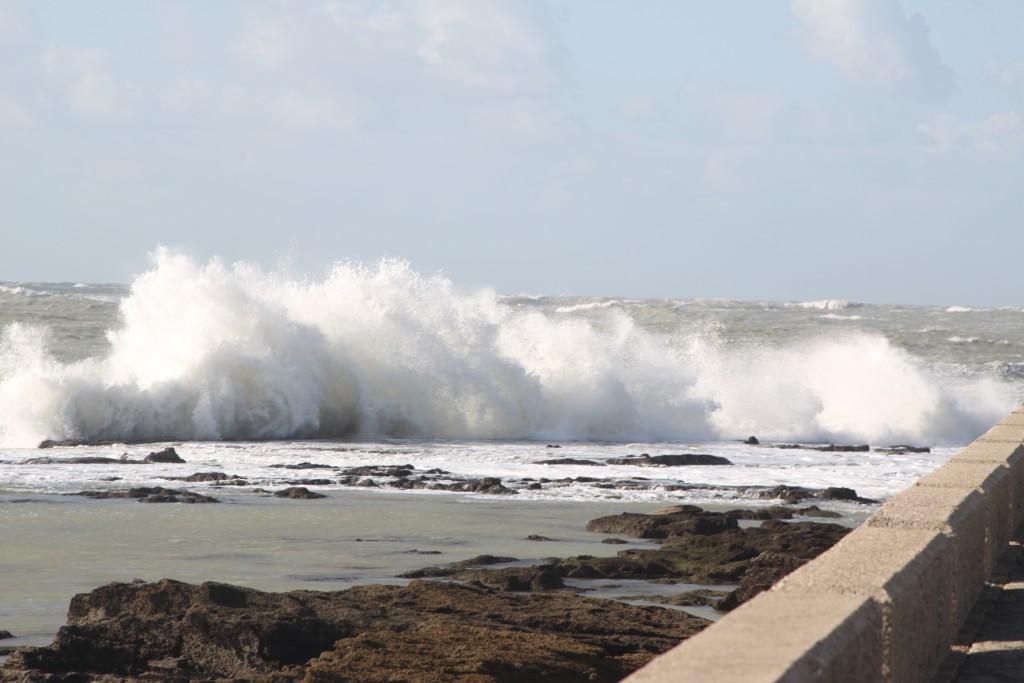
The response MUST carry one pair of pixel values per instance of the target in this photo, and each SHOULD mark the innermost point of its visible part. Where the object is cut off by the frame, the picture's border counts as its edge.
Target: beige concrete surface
(891, 601)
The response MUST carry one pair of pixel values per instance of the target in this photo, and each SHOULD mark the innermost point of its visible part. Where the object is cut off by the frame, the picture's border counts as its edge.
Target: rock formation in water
(424, 632)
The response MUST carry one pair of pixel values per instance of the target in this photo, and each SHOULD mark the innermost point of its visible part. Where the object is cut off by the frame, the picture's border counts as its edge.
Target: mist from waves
(209, 351)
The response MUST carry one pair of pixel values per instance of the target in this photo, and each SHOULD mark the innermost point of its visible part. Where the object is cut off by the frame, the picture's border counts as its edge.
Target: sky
(865, 150)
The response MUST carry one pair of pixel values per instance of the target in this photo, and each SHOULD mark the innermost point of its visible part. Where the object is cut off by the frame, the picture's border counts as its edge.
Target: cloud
(873, 43)
(88, 84)
(741, 115)
(1007, 75)
(724, 169)
(18, 28)
(640, 107)
(334, 64)
(527, 119)
(508, 46)
(998, 135)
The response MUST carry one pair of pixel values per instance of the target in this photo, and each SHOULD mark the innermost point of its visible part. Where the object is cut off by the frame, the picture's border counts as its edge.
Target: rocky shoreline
(483, 619)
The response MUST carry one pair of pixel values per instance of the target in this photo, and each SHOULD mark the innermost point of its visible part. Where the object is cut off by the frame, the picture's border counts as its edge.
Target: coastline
(676, 546)
(56, 546)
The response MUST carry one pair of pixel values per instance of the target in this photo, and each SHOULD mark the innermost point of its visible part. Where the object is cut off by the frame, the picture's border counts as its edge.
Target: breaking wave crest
(218, 352)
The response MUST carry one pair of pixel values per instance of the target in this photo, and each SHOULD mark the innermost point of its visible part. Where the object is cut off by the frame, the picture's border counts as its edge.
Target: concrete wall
(885, 603)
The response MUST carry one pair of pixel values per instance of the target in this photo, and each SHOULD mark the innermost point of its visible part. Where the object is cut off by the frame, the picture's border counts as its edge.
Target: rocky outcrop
(298, 493)
(571, 461)
(680, 460)
(423, 632)
(696, 546)
(167, 455)
(678, 521)
(150, 494)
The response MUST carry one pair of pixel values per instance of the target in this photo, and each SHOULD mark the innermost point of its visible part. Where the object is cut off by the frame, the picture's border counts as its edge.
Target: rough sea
(277, 380)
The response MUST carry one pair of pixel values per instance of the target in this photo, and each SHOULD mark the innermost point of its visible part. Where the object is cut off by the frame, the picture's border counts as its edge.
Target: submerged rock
(298, 493)
(680, 460)
(423, 632)
(150, 494)
(903, 450)
(571, 461)
(167, 455)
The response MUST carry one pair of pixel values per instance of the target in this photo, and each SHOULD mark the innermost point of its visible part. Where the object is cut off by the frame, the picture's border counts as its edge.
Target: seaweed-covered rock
(298, 493)
(425, 632)
(685, 520)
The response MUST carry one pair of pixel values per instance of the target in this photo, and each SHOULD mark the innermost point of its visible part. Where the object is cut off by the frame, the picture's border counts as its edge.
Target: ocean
(337, 383)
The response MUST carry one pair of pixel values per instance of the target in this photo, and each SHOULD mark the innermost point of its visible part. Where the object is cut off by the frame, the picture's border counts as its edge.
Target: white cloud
(1008, 75)
(18, 28)
(872, 42)
(526, 118)
(264, 41)
(338, 64)
(998, 135)
(723, 170)
(640, 107)
(741, 115)
(87, 82)
(506, 47)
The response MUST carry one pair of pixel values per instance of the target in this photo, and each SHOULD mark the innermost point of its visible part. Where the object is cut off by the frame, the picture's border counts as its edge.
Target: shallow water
(56, 546)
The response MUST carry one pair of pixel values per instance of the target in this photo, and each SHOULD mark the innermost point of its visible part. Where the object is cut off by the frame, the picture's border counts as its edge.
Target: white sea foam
(829, 304)
(588, 306)
(213, 352)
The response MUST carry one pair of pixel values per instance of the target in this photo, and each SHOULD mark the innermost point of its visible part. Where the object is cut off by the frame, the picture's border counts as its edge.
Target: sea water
(239, 368)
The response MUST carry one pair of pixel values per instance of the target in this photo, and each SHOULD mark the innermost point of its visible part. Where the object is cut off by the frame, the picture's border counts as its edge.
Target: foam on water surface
(213, 352)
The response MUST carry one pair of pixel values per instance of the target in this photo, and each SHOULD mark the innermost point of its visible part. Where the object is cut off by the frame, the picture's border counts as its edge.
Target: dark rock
(680, 460)
(150, 494)
(302, 466)
(298, 493)
(491, 485)
(843, 493)
(81, 460)
(815, 511)
(68, 443)
(426, 631)
(721, 557)
(702, 597)
(380, 471)
(661, 526)
(6, 635)
(752, 441)
(209, 476)
(788, 494)
(903, 450)
(614, 541)
(167, 455)
(455, 568)
(773, 512)
(832, 448)
(570, 461)
(763, 571)
(518, 579)
(535, 537)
